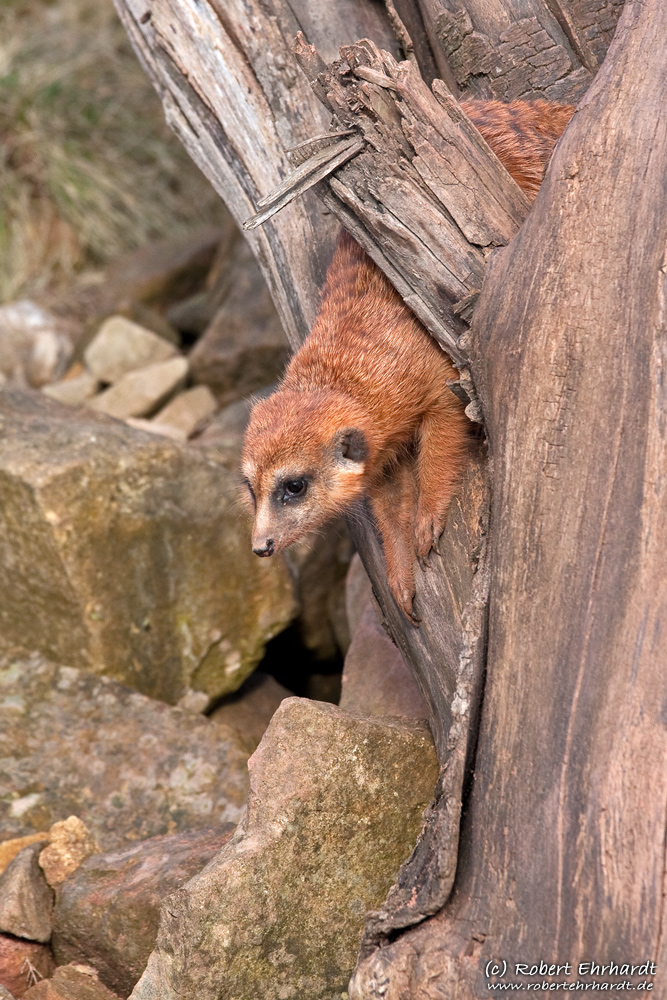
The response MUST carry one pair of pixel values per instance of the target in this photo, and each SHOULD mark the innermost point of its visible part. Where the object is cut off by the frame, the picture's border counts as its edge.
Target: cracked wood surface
(526, 49)
(426, 197)
(562, 845)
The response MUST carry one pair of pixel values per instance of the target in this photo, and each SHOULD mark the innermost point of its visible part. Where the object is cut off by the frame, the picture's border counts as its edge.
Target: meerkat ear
(351, 445)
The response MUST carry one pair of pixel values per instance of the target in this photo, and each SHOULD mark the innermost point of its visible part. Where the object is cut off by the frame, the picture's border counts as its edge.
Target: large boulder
(336, 805)
(129, 767)
(108, 911)
(124, 554)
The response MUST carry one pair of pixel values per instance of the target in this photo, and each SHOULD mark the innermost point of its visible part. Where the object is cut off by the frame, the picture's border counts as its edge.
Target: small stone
(70, 982)
(10, 848)
(140, 392)
(187, 411)
(26, 900)
(335, 807)
(121, 346)
(5, 994)
(23, 963)
(108, 910)
(70, 843)
(73, 391)
(250, 709)
(149, 427)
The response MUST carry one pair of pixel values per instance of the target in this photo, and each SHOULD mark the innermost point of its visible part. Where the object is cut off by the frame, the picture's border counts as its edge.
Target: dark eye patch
(293, 489)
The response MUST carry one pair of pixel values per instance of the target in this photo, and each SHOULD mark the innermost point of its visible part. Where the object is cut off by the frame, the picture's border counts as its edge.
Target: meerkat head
(305, 459)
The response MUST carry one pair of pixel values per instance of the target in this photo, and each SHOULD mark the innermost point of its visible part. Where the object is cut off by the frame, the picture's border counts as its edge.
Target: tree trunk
(562, 839)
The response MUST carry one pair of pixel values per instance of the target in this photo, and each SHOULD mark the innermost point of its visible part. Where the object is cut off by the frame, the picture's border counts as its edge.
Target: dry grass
(88, 168)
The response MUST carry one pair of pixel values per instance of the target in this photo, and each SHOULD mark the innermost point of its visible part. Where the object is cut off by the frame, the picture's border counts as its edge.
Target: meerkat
(364, 407)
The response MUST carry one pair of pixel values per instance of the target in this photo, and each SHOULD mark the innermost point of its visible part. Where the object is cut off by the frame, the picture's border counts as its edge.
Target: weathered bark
(426, 197)
(563, 842)
(521, 48)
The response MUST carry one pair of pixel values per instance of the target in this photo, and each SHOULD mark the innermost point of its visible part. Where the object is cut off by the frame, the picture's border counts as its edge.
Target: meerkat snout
(263, 550)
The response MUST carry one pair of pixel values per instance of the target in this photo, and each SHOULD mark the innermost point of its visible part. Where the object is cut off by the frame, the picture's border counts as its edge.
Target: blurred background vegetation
(89, 169)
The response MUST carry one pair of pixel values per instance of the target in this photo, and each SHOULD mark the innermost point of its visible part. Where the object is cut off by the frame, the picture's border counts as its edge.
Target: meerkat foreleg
(442, 446)
(394, 501)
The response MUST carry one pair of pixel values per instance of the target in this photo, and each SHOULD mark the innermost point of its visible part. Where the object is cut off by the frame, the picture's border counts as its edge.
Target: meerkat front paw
(403, 590)
(427, 535)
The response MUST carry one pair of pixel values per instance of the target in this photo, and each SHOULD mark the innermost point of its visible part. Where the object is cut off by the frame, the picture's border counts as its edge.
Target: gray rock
(250, 709)
(121, 346)
(73, 391)
(192, 315)
(187, 410)
(108, 910)
(358, 592)
(128, 766)
(5, 994)
(143, 391)
(71, 982)
(335, 807)
(245, 346)
(26, 900)
(164, 271)
(124, 554)
(376, 679)
(320, 562)
(34, 349)
(224, 434)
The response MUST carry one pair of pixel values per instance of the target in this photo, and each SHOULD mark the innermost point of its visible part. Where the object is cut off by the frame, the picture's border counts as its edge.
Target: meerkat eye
(294, 488)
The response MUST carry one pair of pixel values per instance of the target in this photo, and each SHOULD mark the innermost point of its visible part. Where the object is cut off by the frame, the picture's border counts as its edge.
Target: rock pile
(130, 605)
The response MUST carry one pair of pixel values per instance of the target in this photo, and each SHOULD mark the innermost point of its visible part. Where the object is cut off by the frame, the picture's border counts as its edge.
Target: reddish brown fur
(364, 406)
(522, 134)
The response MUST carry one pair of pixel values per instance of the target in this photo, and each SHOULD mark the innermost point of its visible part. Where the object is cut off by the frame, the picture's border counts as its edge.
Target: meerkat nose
(265, 550)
